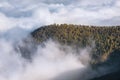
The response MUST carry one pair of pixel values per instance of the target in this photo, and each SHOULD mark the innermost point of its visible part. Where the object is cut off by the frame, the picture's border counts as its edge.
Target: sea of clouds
(34, 13)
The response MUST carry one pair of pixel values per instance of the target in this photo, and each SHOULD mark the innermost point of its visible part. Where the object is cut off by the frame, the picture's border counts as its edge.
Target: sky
(29, 14)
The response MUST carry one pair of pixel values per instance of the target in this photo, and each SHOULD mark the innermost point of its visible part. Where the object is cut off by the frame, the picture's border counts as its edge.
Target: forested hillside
(106, 39)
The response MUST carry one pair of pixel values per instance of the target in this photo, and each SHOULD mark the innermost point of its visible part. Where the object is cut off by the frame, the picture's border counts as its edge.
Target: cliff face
(106, 40)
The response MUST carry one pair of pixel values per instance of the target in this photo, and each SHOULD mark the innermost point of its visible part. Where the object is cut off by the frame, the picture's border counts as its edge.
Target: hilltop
(105, 40)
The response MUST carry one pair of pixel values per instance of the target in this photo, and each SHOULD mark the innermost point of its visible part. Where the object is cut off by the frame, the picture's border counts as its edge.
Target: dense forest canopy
(105, 38)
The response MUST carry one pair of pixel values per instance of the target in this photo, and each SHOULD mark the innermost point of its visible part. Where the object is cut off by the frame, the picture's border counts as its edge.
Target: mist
(20, 60)
(47, 62)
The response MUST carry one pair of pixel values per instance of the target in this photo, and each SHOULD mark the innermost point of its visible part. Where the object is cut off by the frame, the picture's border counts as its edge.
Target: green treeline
(105, 38)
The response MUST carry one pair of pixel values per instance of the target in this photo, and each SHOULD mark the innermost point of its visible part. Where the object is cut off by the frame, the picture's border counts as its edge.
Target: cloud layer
(34, 13)
(48, 62)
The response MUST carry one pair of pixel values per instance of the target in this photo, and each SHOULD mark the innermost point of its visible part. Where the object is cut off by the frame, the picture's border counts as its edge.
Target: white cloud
(94, 2)
(43, 15)
(47, 63)
(5, 23)
(44, 12)
(5, 5)
(117, 4)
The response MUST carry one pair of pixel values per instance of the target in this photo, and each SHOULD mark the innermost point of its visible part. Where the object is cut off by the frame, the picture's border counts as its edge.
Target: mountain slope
(105, 39)
(110, 76)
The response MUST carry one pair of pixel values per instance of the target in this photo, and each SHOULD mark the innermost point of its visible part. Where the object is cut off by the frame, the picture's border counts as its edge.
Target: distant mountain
(105, 40)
